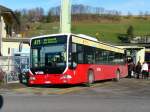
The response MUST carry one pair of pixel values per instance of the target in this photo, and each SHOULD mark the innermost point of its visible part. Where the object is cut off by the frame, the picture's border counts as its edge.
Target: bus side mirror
(73, 65)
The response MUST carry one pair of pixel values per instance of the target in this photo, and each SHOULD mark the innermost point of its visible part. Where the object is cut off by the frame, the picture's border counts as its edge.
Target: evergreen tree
(130, 32)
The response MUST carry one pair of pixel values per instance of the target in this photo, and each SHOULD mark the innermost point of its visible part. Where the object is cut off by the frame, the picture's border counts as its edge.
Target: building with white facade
(9, 29)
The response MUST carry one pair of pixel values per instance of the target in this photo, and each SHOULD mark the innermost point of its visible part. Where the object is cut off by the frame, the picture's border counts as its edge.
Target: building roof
(2, 8)
(6, 12)
(24, 40)
(133, 47)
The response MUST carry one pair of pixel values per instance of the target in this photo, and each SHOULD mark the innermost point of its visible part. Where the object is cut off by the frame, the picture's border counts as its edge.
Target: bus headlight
(66, 77)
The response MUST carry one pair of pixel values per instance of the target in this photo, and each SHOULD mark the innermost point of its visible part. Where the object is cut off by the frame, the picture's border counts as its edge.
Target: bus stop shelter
(137, 53)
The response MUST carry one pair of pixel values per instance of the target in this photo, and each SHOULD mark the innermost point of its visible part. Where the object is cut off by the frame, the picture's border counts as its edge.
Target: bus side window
(89, 55)
(119, 58)
(80, 53)
(98, 56)
(74, 53)
(111, 57)
(72, 56)
(105, 55)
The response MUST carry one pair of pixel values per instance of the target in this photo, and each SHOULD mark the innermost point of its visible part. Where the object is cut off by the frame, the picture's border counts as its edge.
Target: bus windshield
(49, 54)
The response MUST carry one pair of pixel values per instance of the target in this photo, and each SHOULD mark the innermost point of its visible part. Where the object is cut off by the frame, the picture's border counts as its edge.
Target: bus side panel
(124, 71)
(103, 72)
(81, 73)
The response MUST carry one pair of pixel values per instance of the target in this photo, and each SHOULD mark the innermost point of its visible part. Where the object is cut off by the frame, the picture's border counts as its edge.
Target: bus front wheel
(90, 78)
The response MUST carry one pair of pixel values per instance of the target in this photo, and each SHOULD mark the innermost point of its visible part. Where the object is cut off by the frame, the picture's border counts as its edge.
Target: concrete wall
(8, 48)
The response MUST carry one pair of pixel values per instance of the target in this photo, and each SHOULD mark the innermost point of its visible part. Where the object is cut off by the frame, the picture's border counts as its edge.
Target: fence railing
(11, 67)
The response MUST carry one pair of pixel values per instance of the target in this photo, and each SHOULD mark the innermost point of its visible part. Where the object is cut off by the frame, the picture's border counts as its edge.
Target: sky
(125, 6)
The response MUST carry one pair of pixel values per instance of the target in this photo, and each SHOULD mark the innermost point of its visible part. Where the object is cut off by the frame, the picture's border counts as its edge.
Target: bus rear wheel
(117, 76)
(90, 78)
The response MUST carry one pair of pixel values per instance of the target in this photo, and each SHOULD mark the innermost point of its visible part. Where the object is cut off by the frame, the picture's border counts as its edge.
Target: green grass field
(106, 31)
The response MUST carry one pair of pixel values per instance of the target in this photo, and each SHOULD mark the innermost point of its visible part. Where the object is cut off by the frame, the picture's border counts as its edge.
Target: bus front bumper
(50, 79)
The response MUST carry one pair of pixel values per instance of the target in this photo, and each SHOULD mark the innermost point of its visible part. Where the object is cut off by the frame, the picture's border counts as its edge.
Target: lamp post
(65, 16)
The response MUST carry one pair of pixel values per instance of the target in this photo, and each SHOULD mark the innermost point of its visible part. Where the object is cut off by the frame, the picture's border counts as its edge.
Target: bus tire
(90, 78)
(28, 83)
(117, 78)
(20, 78)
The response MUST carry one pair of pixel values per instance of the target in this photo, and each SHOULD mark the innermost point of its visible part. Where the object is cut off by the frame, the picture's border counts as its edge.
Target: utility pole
(65, 16)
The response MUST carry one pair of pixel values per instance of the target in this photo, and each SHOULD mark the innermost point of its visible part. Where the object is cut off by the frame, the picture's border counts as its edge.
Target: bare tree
(146, 14)
(129, 14)
(141, 14)
(49, 16)
(35, 14)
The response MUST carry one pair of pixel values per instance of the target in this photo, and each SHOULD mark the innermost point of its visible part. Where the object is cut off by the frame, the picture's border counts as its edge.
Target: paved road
(128, 95)
(73, 103)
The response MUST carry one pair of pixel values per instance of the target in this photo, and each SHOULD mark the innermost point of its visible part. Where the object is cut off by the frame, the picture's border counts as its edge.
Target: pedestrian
(138, 69)
(131, 68)
(144, 70)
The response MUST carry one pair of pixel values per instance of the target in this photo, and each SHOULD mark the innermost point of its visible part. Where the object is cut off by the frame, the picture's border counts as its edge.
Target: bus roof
(83, 39)
(87, 40)
(80, 35)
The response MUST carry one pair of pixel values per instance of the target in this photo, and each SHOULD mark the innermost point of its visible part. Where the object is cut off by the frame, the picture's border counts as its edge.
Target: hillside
(104, 30)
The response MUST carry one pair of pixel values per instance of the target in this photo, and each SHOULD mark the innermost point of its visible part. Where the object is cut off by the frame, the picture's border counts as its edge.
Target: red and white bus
(74, 59)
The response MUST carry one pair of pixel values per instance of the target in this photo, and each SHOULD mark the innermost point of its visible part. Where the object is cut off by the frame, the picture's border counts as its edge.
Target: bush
(123, 38)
